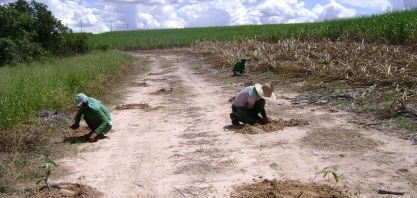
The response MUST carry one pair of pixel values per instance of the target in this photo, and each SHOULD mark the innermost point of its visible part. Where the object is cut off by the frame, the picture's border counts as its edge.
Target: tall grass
(27, 88)
(393, 28)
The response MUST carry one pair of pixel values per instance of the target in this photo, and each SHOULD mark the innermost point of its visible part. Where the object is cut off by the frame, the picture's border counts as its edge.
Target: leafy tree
(29, 31)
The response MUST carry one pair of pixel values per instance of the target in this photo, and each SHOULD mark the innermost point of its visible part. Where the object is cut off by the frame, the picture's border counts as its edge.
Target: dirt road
(172, 138)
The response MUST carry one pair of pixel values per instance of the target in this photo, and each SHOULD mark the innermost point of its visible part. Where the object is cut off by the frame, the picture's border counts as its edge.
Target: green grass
(27, 88)
(394, 27)
(405, 123)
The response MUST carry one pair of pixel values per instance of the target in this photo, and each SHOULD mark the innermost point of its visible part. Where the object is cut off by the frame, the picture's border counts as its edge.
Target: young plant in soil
(47, 166)
(332, 170)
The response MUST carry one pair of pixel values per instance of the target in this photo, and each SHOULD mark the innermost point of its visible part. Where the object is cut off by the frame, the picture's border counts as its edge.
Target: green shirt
(96, 112)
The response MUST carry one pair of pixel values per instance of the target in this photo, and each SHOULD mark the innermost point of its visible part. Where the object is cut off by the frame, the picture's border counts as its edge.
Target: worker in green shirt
(95, 115)
(239, 67)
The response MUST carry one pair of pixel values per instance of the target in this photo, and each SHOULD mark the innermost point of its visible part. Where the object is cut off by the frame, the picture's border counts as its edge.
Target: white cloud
(400, 5)
(106, 15)
(201, 15)
(289, 11)
(332, 10)
(371, 4)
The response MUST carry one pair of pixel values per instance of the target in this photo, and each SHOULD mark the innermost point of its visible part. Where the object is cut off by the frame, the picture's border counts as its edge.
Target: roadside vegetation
(29, 32)
(37, 105)
(370, 62)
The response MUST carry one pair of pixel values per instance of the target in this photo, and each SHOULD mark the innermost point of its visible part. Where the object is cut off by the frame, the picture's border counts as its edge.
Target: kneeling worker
(95, 115)
(250, 102)
(239, 68)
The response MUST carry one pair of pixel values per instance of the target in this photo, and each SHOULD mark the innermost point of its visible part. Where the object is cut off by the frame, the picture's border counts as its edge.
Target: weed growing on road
(3, 188)
(263, 145)
(200, 150)
(230, 161)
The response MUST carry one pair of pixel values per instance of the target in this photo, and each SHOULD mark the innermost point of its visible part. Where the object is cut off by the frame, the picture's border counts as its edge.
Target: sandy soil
(173, 137)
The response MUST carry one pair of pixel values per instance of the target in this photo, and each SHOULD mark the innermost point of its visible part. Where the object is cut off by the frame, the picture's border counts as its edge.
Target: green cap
(80, 98)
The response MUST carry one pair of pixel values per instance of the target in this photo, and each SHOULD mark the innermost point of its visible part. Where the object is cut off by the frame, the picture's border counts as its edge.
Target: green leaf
(325, 174)
(335, 176)
(39, 181)
(44, 165)
(50, 162)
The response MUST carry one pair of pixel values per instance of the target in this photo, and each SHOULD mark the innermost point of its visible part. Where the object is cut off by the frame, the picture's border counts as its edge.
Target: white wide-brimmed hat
(266, 91)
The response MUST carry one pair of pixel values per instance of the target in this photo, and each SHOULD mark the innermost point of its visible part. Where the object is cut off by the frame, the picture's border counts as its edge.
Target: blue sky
(98, 16)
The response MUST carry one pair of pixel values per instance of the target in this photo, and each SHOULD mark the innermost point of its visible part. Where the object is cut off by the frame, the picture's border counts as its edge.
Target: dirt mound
(65, 190)
(339, 139)
(286, 189)
(80, 136)
(274, 125)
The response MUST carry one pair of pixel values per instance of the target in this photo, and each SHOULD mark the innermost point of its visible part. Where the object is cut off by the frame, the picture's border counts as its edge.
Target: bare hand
(265, 120)
(93, 136)
(74, 126)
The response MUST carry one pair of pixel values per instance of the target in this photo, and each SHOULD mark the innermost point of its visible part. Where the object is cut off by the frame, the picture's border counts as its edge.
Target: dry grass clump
(387, 72)
(362, 63)
(20, 139)
(21, 149)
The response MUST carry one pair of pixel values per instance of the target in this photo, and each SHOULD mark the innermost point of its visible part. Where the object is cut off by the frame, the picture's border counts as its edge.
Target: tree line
(29, 32)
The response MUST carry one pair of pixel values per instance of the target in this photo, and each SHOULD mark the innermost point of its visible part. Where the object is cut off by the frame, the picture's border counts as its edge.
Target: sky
(99, 16)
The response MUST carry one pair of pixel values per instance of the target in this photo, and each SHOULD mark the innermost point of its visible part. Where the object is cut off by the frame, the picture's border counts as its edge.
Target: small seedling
(200, 150)
(332, 170)
(3, 188)
(47, 166)
(230, 161)
(325, 171)
(145, 106)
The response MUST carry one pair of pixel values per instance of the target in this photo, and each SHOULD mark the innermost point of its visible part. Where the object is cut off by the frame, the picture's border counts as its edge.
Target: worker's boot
(235, 119)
